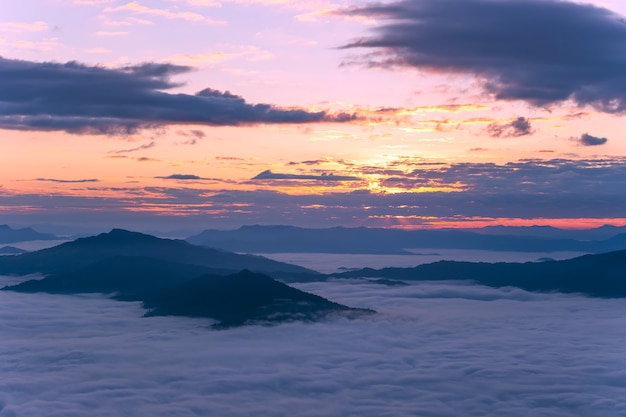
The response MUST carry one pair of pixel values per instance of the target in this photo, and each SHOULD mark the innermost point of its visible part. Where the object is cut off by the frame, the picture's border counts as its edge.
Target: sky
(193, 114)
(433, 349)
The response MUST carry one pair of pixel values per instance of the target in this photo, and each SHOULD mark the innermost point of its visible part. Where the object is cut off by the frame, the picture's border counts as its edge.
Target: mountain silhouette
(85, 251)
(11, 250)
(601, 275)
(245, 298)
(131, 278)
(9, 235)
(169, 288)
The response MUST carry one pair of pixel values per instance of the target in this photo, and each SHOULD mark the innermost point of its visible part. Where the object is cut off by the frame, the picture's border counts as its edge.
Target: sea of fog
(434, 349)
(329, 263)
(33, 245)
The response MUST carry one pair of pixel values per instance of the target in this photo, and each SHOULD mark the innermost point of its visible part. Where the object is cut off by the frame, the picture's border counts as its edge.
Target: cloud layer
(538, 51)
(434, 350)
(83, 99)
(409, 191)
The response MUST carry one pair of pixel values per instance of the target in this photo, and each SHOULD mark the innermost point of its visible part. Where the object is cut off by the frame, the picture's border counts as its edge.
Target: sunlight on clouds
(376, 187)
(565, 223)
(330, 135)
(127, 21)
(98, 51)
(267, 54)
(44, 45)
(135, 7)
(38, 26)
(245, 52)
(110, 33)
(93, 2)
(203, 3)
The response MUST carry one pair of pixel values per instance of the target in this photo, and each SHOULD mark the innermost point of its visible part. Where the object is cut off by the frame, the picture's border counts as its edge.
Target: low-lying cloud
(434, 349)
(84, 99)
(539, 51)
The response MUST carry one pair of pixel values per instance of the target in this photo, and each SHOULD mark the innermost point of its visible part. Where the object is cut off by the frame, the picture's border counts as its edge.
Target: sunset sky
(168, 114)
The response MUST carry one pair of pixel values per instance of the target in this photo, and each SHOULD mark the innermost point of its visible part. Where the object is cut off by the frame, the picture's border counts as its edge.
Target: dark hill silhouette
(245, 298)
(602, 275)
(9, 235)
(11, 250)
(615, 243)
(132, 278)
(84, 251)
(598, 233)
(168, 288)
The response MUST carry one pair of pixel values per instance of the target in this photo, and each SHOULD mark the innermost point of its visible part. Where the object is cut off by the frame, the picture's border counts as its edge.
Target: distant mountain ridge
(601, 275)
(9, 235)
(11, 250)
(361, 240)
(549, 232)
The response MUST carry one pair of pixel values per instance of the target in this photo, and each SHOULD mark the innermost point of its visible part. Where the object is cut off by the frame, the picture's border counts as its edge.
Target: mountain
(11, 250)
(617, 242)
(598, 233)
(169, 288)
(245, 298)
(362, 240)
(85, 251)
(602, 275)
(132, 278)
(275, 239)
(9, 235)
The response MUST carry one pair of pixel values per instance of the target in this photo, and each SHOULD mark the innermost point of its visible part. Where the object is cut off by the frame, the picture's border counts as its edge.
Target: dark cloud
(181, 177)
(516, 128)
(588, 140)
(434, 349)
(309, 162)
(269, 175)
(194, 136)
(538, 51)
(197, 133)
(67, 181)
(135, 149)
(96, 100)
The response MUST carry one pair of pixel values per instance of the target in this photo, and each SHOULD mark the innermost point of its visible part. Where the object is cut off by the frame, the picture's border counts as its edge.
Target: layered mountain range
(289, 239)
(601, 275)
(173, 277)
(10, 235)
